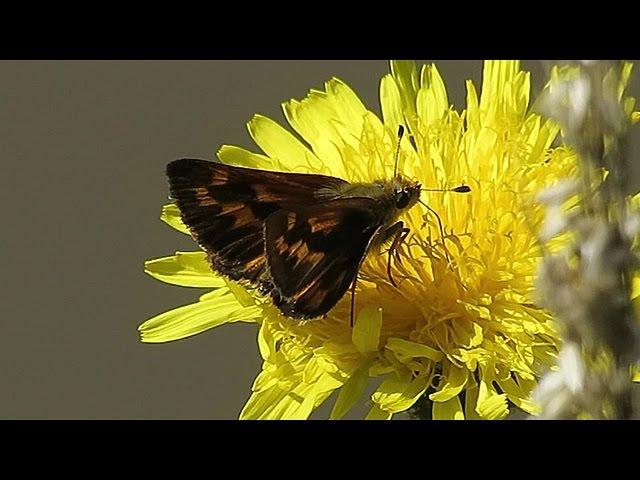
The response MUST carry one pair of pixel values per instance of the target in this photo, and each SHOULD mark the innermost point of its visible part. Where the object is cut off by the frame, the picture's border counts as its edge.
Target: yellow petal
(628, 106)
(623, 80)
(454, 380)
(192, 319)
(304, 411)
(313, 394)
(432, 101)
(491, 405)
(376, 413)
(171, 216)
(448, 410)
(187, 269)
(496, 74)
(635, 118)
(391, 103)
(366, 331)
(345, 102)
(494, 407)
(240, 293)
(398, 393)
(278, 143)
(472, 115)
(219, 293)
(406, 350)
(635, 286)
(517, 395)
(328, 121)
(232, 155)
(261, 403)
(350, 392)
(266, 340)
(470, 403)
(296, 401)
(405, 74)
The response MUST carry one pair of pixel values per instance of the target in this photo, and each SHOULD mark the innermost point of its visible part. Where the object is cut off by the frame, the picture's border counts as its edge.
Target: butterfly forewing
(314, 253)
(225, 208)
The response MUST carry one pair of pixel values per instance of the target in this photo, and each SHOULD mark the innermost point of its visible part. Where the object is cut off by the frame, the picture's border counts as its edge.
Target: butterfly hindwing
(314, 253)
(225, 208)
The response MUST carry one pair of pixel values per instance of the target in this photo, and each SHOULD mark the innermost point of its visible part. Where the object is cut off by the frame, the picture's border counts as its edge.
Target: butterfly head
(406, 193)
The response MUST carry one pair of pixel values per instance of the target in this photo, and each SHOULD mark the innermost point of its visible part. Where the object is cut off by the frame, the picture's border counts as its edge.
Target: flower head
(461, 325)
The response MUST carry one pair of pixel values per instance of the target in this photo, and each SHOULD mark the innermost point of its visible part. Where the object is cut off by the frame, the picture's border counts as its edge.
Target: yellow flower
(467, 330)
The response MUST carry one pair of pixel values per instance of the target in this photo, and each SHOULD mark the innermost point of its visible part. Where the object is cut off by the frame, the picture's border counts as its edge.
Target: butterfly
(299, 238)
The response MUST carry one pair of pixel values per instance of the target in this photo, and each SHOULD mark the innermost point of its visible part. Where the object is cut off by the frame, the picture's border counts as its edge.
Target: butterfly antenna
(395, 164)
(460, 189)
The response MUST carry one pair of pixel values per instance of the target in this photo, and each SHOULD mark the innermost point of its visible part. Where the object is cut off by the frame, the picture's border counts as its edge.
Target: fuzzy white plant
(588, 284)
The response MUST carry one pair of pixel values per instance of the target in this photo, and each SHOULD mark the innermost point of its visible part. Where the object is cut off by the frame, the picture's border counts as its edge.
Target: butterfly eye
(402, 198)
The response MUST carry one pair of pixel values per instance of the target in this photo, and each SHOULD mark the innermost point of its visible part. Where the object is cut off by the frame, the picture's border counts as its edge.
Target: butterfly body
(300, 238)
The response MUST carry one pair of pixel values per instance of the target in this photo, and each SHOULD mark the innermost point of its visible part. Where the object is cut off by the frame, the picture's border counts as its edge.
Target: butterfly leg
(353, 300)
(442, 234)
(399, 233)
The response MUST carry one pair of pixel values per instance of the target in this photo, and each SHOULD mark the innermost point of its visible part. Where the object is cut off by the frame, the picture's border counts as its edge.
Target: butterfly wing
(314, 253)
(225, 208)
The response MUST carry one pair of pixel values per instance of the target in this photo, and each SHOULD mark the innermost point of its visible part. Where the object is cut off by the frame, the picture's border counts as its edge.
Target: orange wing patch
(291, 221)
(203, 197)
(219, 177)
(320, 224)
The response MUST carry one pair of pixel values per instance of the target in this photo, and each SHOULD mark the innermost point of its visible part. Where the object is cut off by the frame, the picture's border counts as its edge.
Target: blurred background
(84, 145)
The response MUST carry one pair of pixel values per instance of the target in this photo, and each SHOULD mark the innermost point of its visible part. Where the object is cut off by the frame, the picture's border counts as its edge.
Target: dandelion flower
(461, 327)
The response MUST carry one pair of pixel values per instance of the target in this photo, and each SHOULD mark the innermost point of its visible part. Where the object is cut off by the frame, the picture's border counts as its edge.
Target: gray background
(84, 145)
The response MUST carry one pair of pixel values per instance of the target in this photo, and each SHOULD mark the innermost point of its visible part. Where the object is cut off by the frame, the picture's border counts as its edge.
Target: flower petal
(405, 74)
(192, 319)
(280, 144)
(376, 413)
(470, 403)
(261, 403)
(171, 216)
(448, 410)
(405, 350)
(473, 114)
(240, 293)
(366, 331)
(635, 287)
(454, 380)
(398, 393)
(432, 101)
(346, 102)
(328, 121)
(350, 392)
(314, 394)
(187, 269)
(232, 155)
(491, 405)
(266, 340)
(391, 103)
(518, 396)
(496, 75)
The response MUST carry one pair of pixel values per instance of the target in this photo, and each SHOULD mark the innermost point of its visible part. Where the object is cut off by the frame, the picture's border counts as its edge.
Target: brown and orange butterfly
(299, 238)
